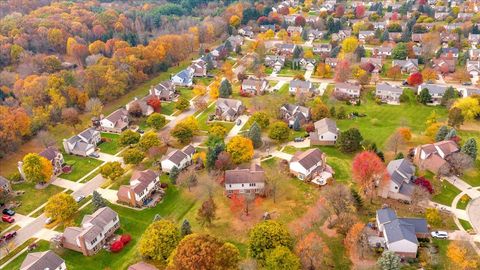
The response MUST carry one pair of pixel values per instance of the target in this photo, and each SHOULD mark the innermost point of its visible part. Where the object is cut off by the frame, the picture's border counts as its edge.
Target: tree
(338, 199)
(112, 170)
(419, 195)
(342, 71)
(461, 75)
(182, 132)
(424, 97)
(369, 172)
(61, 207)
(206, 212)
(459, 162)
(359, 11)
(266, 236)
(261, 118)
(255, 134)
(312, 251)
(424, 183)
(433, 217)
(182, 104)
(218, 130)
(470, 148)
(400, 52)
(455, 117)
(389, 261)
(133, 156)
(349, 141)
(36, 168)
(241, 149)
(429, 74)
(394, 72)
(223, 162)
(201, 251)
(460, 256)
(159, 240)
(349, 45)
(213, 152)
(174, 172)
(470, 107)
(415, 79)
(187, 178)
(129, 137)
(441, 133)
(279, 131)
(452, 133)
(450, 94)
(353, 238)
(395, 141)
(186, 229)
(94, 106)
(319, 110)
(300, 21)
(282, 258)
(70, 116)
(98, 201)
(135, 109)
(200, 104)
(156, 121)
(225, 89)
(148, 140)
(405, 132)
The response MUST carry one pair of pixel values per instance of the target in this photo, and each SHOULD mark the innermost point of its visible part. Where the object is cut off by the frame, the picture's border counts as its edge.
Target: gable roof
(308, 159)
(41, 260)
(178, 155)
(326, 125)
(385, 215)
(49, 153)
(398, 230)
(384, 86)
(144, 179)
(300, 84)
(255, 174)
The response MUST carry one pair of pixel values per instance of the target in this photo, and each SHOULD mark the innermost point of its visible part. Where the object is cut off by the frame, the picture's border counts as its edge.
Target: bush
(164, 185)
(117, 246)
(125, 239)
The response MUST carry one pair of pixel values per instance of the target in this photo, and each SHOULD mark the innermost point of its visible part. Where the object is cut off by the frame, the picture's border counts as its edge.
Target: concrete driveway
(322, 88)
(282, 155)
(67, 184)
(308, 74)
(107, 157)
(236, 128)
(108, 194)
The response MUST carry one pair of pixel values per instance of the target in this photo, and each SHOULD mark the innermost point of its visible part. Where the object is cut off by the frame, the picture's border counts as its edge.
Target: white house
(42, 261)
(184, 77)
(178, 158)
(116, 122)
(251, 180)
(304, 165)
(326, 132)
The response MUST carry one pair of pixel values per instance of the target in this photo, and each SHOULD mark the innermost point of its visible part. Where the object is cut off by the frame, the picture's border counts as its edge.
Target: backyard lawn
(42, 245)
(186, 93)
(33, 198)
(110, 145)
(81, 166)
(446, 192)
(168, 108)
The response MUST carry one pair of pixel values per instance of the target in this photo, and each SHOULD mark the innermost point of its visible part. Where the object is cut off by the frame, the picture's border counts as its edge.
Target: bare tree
(339, 199)
(188, 178)
(419, 195)
(94, 106)
(459, 162)
(45, 138)
(395, 141)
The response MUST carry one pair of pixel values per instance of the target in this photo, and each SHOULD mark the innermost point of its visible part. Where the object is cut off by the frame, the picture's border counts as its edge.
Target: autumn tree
(241, 149)
(319, 110)
(186, 228)
(455, 117)
(156, 121)
(148, 140)
(224, 161)
(349, 141)
(338, 199)
(112, 170)
(354, 238)
(461, 257)
(182, 104)
(129, 137)
(133, 156)
(261, 118)
(155, 103)
(206, 213)
(159, 240)
(217, 130)
(282, 258)
(429, 74)
(312, 251)
(461, 75)
(71, 117)
(389, 261)
(266, 236)
(182, 132)
(36, 168)
(94, 106)
(279, 131)
(469, 106)
(415, 79)
(61, 207)
(369, 172)
(394, 72)
(342, 71)
(395, 141)
(201, 251)
(459, 162)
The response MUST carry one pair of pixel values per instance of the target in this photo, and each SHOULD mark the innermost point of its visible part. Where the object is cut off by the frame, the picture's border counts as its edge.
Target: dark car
(9, 235)
(141, 131)
(9, 212)
(467, 83)
(404, 83)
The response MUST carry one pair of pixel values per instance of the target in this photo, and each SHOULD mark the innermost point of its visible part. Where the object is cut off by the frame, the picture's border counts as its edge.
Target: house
(236, 40)
(47, 260)
(142, 266)
(289, 113)
(332, 62)
(178, 158)
(246, 31)
(402, 174)
(116, 122)
(165, 90)
(184, 77)
(139, 191)
(349, 90)
(449, 53)
(382, 51)
(379, 25)
(94, 231)
(395, 36)
(473, 68)
(55, 157)
(432, 156)
(308, 164)
(219, 52)
(322, 48)
(285, 49)
(294, 29)
(254, 86)
(251, 180)
(388, 93)
(142, 103)
(474, 54)
(326, 132)
(464, 16)
(435, 90)
(228, 109)
(418, 37)
(401, 234)
(275, 61)
(5, 186)
(82, 144)
(304, 63)
(300, 86)
(440, 16)
(341, 35)
(199, 68)
(316, 34)
(473, 39)
(364, 35)
(376, 62)
(446, 38)
(406, 66)
(444, 65)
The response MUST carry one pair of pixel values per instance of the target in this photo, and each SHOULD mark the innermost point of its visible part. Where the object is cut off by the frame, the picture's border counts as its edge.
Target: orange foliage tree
(369, 172)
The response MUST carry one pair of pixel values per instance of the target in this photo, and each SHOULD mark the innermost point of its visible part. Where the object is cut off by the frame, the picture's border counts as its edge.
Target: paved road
(473, 211)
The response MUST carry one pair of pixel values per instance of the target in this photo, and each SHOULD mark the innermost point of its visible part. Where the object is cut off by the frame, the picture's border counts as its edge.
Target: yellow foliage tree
(432, 129)
(406, 133)
(459, 256)
(234, 21)
(241, 149)
(227, 71)
(470, 107)
(429, 74)
(269, 34)
(349, 45)
(214, 89)
(308, 54)
(282, 34)
(199, 90)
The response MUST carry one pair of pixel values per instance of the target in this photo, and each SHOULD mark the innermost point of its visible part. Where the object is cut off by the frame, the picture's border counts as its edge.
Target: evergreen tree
(475, 29)
(399, 155)
(360, 52)
(225, 89)
(333, 112)
(228, 46)
(174, 175)
(451, 134)
(470, 148)
(238, 49)
(305, 35)
(209, 61)
(296, 124)
(98, 201)
(441, 133)
(357, 199)
(186, 229)
(350, 140)
(255, 134)
(450, 93)
(297, 52)
(424, 96)
(385, 36)
(213, 153)
(335, 51)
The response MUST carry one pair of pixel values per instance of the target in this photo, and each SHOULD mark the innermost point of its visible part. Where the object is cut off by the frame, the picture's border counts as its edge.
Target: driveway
(473, 211)
(107, 157)
(236, 128)
(322, 88)
(304, 144)
(67, 184)
(282, 155)
(277, 86)
(308, 74)
(108, 194)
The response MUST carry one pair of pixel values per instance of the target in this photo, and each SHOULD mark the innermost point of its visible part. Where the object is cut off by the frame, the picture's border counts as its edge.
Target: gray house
(326, 132)
(435, 90)
(5, 185)
(349, 90)
(406, 66)
(388, 93)
(42, 261)
(228, 109)
(402, 175)
(300, 86)
(82, 144)
(165, 90)
(290, 112)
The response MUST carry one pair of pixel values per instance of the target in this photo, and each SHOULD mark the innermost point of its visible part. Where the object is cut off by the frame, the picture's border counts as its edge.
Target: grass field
(42, 245)
(462, 203)
(446, 193)
(466, 225)
(81, 166)
(111, 145)
(168, 108)
(33, 198)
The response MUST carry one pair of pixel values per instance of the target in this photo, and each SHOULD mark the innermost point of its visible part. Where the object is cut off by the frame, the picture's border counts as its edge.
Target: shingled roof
(308, 159)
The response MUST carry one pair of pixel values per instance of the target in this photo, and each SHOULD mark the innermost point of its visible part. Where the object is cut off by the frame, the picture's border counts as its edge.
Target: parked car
(79, 198)
(94, 155)
(9, 235)
(404, 83)
(141, 131)
(439, 234)
(467, 83)
(8, 219)
(48, 220)
(8, 212)
(298, 139)
(239, 122)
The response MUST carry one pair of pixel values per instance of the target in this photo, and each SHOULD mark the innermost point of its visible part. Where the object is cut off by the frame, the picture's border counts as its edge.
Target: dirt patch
(470, 126)
(329, 232)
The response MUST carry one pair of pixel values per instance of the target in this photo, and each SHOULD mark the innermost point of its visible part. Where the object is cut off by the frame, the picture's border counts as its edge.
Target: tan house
(251, 180)
(228, 109)
(142, 185)
(432, 156)
(326, 132)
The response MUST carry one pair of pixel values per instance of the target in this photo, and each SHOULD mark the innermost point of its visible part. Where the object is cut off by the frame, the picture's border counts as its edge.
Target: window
(229, 185)
(321, 137)
(242, 185)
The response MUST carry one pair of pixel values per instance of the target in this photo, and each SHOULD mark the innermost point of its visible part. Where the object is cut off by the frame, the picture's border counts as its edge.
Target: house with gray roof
(184, 77)
(180, 158)
(165, 91)
(254, 86)
(94, 231)
(308, 164)
(276, 62)
(291, 112)
(350, 90)
(388, 93)
(325, 133)
(301, 86)
(228, 109)
(285, 49)
(115, 122)
(322, 48)
(5, 185)
(401, 234)
(364, 35)
(82, 144)
(249, 180)
(142, 185)
(400, 183)
(435, 90)
(47, 260)
(407, 66)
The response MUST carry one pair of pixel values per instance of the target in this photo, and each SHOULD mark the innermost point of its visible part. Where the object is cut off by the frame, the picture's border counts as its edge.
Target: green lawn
(462, 204)
(466, 225)
(42, 245)
(186, 92)
(123, 180)
(168, 108)
(81, 166)
(33, 198)
(472, 176)
(442, 261)
(203, 117)
(446, 193)
(110, 145)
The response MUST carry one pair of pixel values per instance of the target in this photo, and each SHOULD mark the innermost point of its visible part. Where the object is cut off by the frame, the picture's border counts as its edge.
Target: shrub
(117, 246)
(125, 239)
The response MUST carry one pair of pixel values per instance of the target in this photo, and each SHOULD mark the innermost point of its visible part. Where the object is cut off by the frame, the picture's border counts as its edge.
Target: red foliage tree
(262, 20)
(342, 71)
(369, 172)
(309, 127)
(425, 183)
(237, 203)
(415, 79)
(155, 103)
(360, 11)
(368, 67)
(339, 11)
(125, 239)
(117, 246)
(300, 21)
(394, 16)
